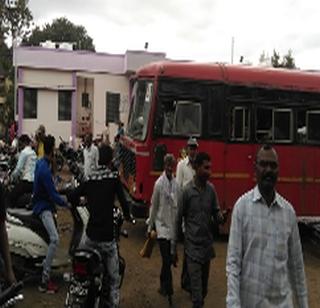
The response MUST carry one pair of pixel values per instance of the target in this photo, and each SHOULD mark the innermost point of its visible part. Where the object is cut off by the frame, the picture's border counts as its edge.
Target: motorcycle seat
(31, 221)
(19, 212)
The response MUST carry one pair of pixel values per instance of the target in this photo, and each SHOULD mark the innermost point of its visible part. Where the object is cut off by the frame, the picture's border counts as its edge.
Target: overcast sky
(199, 30)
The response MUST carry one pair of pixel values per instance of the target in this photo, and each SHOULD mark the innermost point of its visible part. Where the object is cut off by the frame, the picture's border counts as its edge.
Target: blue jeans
(111, 283)
(48, 222)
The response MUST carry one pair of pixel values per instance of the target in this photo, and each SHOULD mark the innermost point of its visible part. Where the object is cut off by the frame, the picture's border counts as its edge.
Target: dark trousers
(165, 275)
(21, 188)
(185, 279)
(199, 275)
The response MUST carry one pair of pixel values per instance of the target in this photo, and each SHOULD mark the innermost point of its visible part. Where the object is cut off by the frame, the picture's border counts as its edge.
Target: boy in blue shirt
(45, 196)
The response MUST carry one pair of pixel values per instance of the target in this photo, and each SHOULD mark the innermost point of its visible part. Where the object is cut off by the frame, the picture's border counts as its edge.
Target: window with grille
(64, 106)
(112, 107)
(240, 124)
(30, 104)
(313, 132)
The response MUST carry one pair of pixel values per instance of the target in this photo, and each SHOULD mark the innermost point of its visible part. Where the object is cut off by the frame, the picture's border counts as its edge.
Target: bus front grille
(128, 161)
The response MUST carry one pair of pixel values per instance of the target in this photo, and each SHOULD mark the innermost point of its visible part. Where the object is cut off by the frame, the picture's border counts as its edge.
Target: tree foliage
(286, 62)
(15, 21)
(61, 30)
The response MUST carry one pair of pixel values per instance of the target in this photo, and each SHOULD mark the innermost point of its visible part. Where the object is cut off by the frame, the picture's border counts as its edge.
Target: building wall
(52, 70)
(47, 78)
(84, 115)
(115, 84)
(97, 87)
(47, 114)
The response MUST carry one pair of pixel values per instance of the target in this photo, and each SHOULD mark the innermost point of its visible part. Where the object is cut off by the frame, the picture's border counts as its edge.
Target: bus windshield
(140, 109)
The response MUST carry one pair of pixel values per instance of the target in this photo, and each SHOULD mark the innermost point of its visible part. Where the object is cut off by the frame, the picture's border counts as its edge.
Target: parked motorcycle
(88, 270)
(67, 155)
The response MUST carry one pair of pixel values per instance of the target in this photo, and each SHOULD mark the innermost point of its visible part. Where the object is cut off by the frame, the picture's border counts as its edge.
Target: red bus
(231, 110)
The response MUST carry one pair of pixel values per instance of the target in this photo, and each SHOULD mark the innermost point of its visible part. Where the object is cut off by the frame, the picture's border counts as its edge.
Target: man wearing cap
(23, 174)
(185, 173)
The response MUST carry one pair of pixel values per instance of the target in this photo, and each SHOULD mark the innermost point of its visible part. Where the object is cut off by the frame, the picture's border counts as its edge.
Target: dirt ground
(141, 280)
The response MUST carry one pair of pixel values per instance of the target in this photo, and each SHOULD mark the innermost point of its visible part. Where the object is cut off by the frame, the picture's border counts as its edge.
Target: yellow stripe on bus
(299, 180)
(239, 175)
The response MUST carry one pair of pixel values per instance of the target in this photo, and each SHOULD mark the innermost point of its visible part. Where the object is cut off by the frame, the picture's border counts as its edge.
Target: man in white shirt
(23, 173)
(185, 173)
(162, 219)
(91, 156)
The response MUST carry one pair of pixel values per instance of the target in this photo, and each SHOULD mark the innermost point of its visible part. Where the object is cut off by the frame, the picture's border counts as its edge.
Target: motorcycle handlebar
(10, 296)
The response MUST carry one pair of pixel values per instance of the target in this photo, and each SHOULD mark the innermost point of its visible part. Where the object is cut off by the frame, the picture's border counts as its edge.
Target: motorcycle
(88, 270)
(67, 155)
(10, 296)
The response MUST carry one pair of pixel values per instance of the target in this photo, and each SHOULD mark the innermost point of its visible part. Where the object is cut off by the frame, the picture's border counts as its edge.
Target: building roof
(236, 74)
(79, 60)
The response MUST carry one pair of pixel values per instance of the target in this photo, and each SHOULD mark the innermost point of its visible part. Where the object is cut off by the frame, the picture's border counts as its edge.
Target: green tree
(264, 59)
(15, 21)
(286, 62)
(275, 59)
(61, 30)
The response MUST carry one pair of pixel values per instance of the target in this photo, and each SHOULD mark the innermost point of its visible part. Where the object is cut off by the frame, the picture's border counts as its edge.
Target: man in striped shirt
(265, 262)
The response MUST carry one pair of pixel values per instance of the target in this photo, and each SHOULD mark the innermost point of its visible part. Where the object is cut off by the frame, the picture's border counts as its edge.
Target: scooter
(29, 240)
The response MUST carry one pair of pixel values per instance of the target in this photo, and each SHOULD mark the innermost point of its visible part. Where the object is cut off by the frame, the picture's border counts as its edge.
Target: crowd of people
(264, 262)
(35, 172)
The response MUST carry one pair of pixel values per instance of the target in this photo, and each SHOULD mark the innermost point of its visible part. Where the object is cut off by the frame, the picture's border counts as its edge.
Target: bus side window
(301, 126)
(313, 131)
(181, 117)
(240, 124)
(282, 125)
(169, 108)
(187, 119)
(264, 124)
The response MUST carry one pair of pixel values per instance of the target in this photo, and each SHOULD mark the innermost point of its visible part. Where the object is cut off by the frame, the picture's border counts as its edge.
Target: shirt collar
(165, 176)
(194, 186)
(188, 162)
(258, 197)
(45, 159)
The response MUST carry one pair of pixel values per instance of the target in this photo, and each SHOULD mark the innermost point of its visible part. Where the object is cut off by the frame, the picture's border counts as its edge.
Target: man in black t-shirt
(100, 189)
(4, 244)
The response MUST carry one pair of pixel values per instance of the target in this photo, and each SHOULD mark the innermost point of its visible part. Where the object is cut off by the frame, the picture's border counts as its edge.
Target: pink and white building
(74, 92)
